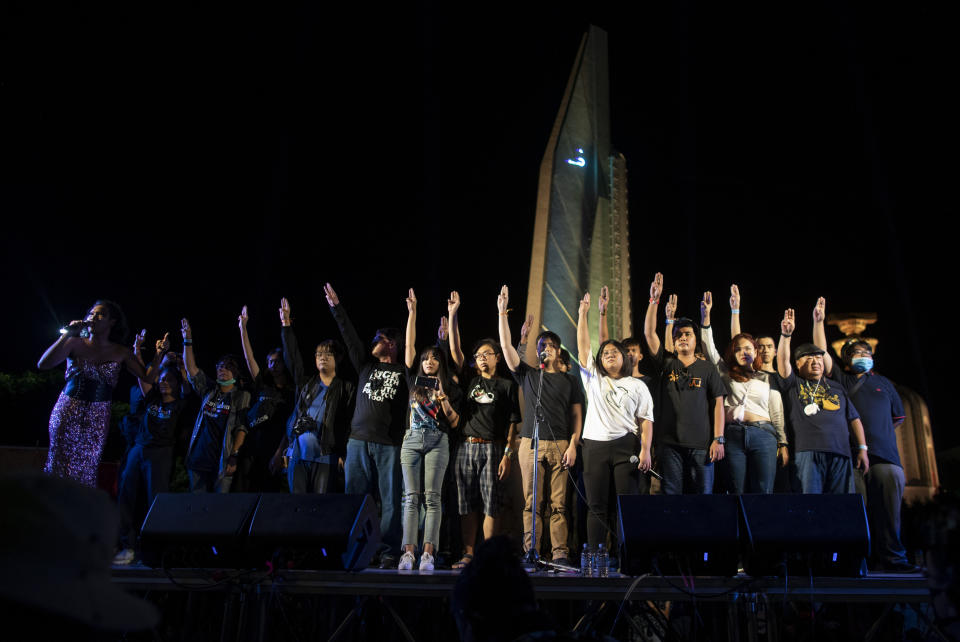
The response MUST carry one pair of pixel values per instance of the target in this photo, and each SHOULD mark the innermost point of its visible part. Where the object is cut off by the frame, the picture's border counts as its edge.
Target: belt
(477, 440)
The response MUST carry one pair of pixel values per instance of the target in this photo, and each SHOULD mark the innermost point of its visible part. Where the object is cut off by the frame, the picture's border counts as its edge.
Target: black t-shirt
(560, 392)
(879, 406)
(380, 415)
(684, 410)
(158, 424)
(827, 430)
(489, 408)
(267, 418)
(205, 454)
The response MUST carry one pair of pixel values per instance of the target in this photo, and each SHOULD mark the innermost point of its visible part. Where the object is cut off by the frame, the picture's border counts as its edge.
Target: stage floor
(876, 587)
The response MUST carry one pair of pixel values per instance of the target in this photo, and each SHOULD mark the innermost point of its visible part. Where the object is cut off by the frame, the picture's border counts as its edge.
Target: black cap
(805, 349)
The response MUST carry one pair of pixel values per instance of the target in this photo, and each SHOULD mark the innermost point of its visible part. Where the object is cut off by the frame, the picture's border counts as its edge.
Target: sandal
(466, 559)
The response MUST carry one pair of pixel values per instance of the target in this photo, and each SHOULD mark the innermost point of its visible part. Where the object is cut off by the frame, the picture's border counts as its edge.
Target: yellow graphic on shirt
(819, 395)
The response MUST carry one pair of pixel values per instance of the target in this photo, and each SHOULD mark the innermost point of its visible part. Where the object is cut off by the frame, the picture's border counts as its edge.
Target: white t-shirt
(613, 405)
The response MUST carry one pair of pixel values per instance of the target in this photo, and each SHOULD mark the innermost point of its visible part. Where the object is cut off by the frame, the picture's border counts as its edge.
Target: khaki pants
(551, 474)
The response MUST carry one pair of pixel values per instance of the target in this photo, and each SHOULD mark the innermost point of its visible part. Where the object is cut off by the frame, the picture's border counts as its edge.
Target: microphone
(543, 356)
(636, 460)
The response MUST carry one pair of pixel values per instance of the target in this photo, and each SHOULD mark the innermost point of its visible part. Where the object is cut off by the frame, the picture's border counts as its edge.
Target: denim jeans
(824, 473)
(151, 466)
(204, 481)
(423, 455)
(308, 476)
(685, 471)
(372, 467)
(750, 459)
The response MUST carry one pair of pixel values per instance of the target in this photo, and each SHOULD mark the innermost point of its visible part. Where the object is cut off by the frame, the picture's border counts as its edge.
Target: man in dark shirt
(881, 412)
(315, 441)
(688, 430)
(821, 416)
(376, 431)
(559, 432)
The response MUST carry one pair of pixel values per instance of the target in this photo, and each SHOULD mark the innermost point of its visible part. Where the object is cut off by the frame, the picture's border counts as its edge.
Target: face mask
(226, 382)
(861, 364)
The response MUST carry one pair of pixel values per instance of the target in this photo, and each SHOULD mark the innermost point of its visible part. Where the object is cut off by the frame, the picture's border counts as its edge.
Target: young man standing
(489, 417)
(376, 430)
(688, 430)
(562, 419)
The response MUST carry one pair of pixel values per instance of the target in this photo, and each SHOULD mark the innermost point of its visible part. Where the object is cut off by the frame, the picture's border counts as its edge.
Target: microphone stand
(532, 558)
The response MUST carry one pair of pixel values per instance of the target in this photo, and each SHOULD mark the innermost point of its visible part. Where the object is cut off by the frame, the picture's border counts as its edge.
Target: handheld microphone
(636, 460)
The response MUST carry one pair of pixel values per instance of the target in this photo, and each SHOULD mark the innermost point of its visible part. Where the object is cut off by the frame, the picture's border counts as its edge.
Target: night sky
(185, 161)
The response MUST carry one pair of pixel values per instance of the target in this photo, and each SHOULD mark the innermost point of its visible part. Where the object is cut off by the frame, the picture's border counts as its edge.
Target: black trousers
(601, 461)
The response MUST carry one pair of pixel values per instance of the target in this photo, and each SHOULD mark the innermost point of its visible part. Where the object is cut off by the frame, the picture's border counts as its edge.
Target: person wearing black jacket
(376, 430)
(316, 436)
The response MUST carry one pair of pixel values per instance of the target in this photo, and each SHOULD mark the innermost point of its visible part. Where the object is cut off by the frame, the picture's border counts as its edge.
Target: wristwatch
(720, 440)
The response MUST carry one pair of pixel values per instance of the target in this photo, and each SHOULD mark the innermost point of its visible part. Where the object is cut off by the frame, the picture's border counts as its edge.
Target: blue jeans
(151, 466)
(424, 454)
(685, 471)
(824, 473)
(751, 458)
(308, 476)
(370, 468)
(204, 481)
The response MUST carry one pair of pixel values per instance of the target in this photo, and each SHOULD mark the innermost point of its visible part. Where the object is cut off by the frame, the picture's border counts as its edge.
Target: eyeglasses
(861, 353)
(484, 355)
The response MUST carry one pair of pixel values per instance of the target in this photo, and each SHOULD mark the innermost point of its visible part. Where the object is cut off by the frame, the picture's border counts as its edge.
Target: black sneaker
(388, 561)
(899, 567)
(562, 561)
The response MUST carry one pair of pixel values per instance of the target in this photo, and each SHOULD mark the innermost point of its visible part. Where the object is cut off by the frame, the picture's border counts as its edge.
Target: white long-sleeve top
(757, 394)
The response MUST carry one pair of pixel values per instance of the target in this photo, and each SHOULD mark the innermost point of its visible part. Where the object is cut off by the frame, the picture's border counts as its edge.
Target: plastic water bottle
(586, 561)
(603, 562)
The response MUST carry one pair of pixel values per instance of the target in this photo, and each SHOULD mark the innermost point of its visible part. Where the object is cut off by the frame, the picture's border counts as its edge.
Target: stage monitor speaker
(315, 531)
(801, 534)
(187, 530)
(674, 534)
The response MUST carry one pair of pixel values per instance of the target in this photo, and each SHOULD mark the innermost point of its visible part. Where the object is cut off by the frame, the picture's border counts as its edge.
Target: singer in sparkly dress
(80, 419)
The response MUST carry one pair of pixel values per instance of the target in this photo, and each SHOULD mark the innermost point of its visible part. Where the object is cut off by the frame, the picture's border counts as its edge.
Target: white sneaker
(406, 562)
(426, 562)
(124, 557)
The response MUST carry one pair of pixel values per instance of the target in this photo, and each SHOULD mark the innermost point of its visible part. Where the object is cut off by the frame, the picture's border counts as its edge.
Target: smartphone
(426, 382)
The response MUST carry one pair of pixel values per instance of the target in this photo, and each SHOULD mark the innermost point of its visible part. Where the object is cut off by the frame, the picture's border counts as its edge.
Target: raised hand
(788, 324)
(442, 330)
(585, 304)
(526, 328)
(243, 318)
(706, 305)
(139, 340)
(332, 299)
(411, 301)
(670, 309)
(185, 330)
(503, 300)
(656, 288)
(820, 310)
(734, 297)
(163, 344)
(285, 315)
(604, 299)
(453, 303)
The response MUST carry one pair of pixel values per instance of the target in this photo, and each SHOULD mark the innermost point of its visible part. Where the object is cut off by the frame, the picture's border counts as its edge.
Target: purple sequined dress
(80, 420)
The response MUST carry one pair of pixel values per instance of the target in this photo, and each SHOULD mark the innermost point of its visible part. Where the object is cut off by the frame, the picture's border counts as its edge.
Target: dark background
(187, 160)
